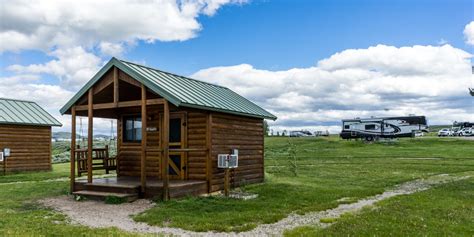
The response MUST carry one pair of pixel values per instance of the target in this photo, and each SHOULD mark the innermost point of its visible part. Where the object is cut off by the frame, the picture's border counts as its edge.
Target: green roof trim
(21, 112)
(180, 91)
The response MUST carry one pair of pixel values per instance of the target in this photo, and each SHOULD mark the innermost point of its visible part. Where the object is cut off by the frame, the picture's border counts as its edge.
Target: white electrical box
(233, 161)
(6, 152)
(227, 161)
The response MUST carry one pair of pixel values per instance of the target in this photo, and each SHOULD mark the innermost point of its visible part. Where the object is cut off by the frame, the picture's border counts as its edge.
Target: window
(347, 126)
(132, 129)
(370, 127)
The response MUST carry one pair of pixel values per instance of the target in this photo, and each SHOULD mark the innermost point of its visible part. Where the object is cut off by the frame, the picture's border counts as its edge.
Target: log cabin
(25, 133)
(160, 114)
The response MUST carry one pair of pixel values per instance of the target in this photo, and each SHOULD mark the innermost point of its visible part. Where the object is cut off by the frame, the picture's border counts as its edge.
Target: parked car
(467, 132)
(445, 132)
(457, 132)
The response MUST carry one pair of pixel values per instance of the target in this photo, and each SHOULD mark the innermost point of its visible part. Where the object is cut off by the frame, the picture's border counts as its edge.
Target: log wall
(30, 147)
(237, 132)
(196, 129)
(129, 153)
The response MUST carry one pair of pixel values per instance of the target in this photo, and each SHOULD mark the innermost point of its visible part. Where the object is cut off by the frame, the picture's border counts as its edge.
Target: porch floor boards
(154, 187)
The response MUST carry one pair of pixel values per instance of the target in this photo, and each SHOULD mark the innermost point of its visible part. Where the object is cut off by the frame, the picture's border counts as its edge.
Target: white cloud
(73, 66)
(76, 33)
(111, 49)
(469, 33)
(30, 24)
(377, 81)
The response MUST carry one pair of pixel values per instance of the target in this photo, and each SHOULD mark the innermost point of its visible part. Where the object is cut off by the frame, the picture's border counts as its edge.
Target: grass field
(302, 175)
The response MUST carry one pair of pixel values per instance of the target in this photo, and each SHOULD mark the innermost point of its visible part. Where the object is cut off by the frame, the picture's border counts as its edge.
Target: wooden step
(111, 188)
(130, 197)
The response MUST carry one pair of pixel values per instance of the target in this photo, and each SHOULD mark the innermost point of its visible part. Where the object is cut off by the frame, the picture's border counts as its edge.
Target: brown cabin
(158, 115)
(25, 133)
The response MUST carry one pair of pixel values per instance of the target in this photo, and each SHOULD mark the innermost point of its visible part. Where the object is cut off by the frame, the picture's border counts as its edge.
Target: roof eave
(31, 124)
(228, 111)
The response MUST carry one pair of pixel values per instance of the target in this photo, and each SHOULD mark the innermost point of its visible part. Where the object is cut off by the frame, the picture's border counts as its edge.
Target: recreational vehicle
(386, 127)
(458, 127)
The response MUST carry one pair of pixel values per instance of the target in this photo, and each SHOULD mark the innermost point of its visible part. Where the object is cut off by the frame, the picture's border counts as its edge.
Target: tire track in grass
(99, 215)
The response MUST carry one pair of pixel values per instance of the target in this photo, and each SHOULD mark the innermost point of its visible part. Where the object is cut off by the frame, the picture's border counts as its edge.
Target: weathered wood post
(106, 159)
(73, 148)
(166, 137)
(226, 182)
(4, 166)
(90, 136)
(144, 141)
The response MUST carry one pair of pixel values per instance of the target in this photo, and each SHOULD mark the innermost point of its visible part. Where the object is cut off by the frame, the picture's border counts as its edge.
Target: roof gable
(20, 112)
(180, 91)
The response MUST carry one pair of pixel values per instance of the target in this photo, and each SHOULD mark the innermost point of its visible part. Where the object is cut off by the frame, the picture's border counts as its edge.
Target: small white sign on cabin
(227, 161)
(1, 157)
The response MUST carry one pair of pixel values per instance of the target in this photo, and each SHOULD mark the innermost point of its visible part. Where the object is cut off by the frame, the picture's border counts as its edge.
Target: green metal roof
(20, 112)
(180, 91)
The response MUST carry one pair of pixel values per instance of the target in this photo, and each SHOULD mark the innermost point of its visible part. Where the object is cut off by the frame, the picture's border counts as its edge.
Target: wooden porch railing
(100, 160)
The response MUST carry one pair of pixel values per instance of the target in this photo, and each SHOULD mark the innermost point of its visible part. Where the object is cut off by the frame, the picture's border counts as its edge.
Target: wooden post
(165, 144)
(4, 165)
(106, 159)
(209, 152)
(226, 182)
(73, 148)
(144, 138)
(116, 87)
(90, 136)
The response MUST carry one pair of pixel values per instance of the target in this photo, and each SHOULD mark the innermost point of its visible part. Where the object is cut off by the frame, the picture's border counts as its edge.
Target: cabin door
(177, 140)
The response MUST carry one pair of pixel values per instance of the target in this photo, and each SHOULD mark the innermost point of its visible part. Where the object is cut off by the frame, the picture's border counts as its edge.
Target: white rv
(387, 127)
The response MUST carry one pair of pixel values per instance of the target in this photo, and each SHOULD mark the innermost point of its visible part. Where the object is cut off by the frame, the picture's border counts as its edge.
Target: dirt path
(97, 214)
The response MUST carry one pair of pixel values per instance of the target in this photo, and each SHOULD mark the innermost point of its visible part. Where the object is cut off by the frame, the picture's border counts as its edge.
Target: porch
(130, 188)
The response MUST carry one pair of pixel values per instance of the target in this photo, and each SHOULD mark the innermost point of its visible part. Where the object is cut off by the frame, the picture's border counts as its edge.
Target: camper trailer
(386, 127)
(458, 127)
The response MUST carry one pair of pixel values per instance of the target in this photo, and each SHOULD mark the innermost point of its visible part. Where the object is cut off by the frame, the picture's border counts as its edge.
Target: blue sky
(283, 34)
(279, 35)
(268, 36)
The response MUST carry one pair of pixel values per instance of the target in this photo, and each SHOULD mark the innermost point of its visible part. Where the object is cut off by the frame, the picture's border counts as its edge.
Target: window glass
(175, 130)
(346, 126)
(132, 129)
(128, 131)
(370, 127)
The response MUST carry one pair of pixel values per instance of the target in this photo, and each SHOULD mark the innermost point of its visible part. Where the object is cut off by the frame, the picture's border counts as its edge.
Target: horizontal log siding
(236, 132)
(30, 147)
(130, 153)
(196, 126)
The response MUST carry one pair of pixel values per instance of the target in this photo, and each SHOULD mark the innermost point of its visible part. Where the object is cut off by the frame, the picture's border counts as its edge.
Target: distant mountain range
(67, 135)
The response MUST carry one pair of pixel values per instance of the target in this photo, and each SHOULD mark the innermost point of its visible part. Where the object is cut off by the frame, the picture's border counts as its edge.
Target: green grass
(21, 215)
(327, 170)
(447, 210)
(58, 171)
